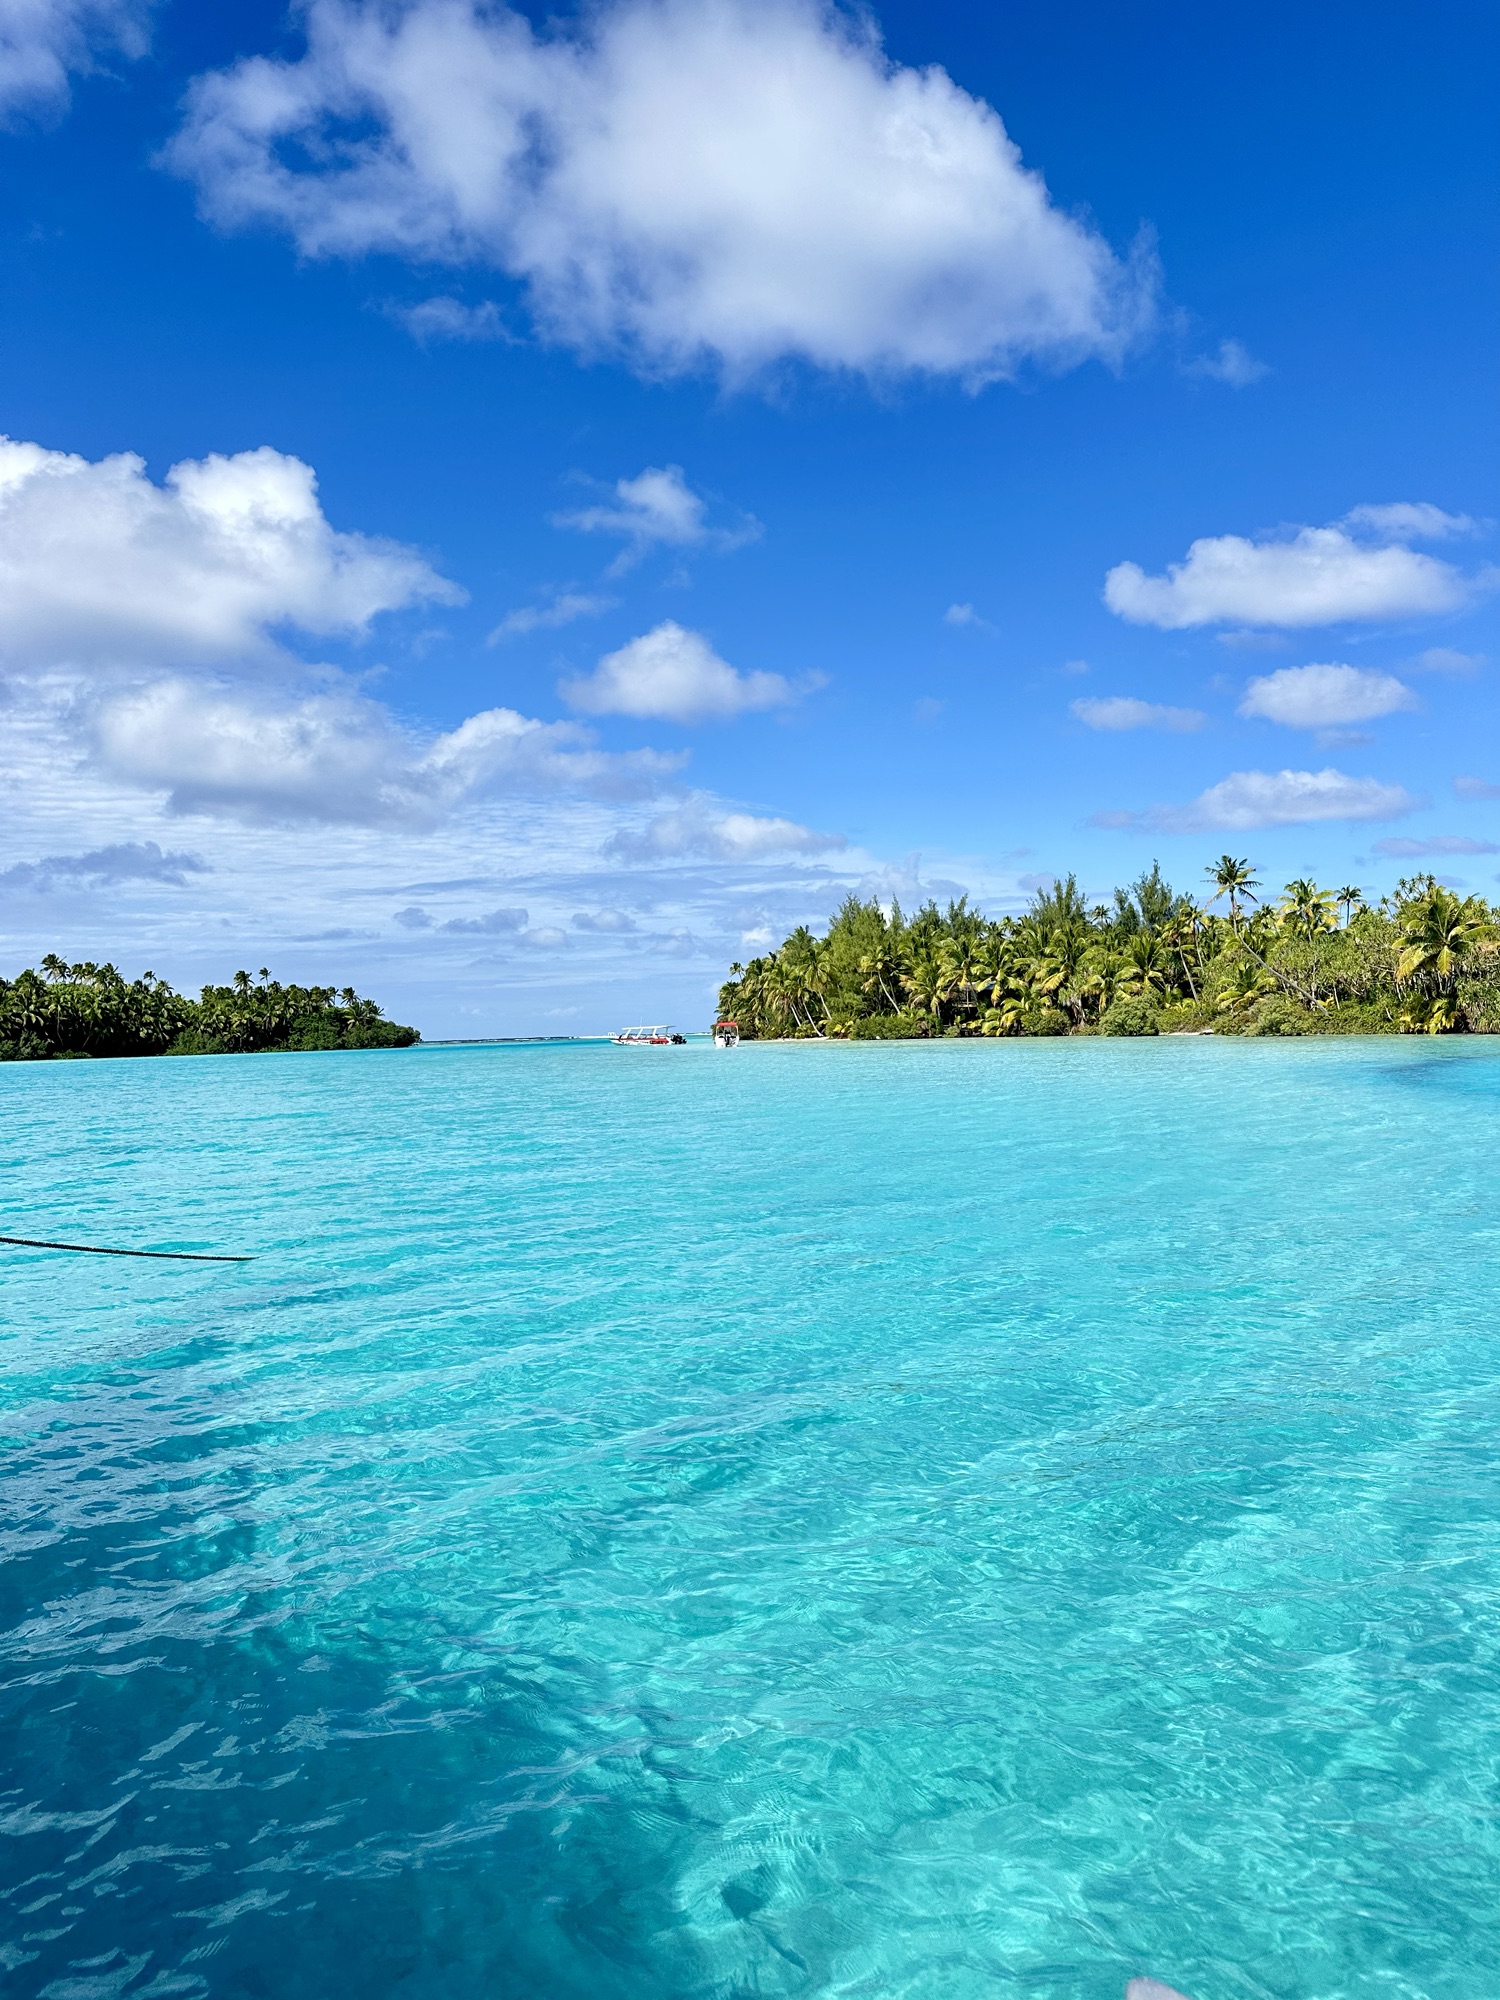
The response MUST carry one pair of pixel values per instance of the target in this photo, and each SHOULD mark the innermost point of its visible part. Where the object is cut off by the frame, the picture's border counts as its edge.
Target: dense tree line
(1311, 961)
(93, 1010)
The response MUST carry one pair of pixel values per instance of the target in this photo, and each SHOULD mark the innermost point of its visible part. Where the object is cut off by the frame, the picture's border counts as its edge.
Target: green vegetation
(91, 1010)
(1152, 962)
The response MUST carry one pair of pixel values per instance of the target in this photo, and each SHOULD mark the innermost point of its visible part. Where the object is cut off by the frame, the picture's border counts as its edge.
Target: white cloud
(1325, 696)
(1440, 843)
(673, 675)
(1123, 711)
(1313, 576)
(341, 757)
(1233, 365)
(1247, 800)
(1445, 660)
(607, 922)
(41, 41)
(1475, 788)
(565, 609)
(1410, 521)
(723, 181)
(99, 566)
(700, 829)
(445, 318)
(965, 614)
(656, 508)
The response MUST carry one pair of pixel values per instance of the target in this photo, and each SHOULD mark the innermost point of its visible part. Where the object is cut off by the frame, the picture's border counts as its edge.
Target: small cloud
(672, 675)
(1444, 660)
(695, 830)
(450, 319)
(547, 938)
(131, 861)
(1246, 801)
(657, 509)
(1254, 642)
(1036, 884)
(1410, 521)
(1440, 843)
(1297, 577)
(564, 609)
(928, 710)
(1072, 669)
(965, 614)
(1475, 788)
(1123, 711)
(1233, 365)
(610, 922)
(1325, 696)
(494, 923)
(415, 918)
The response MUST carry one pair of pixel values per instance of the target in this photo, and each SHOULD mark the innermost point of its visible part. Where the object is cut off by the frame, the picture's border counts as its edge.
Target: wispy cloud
(445, 318)
(1438, 844)
(1232, 364)
(1123, 711)
(564, 609)
(657, 509)
(965, 614)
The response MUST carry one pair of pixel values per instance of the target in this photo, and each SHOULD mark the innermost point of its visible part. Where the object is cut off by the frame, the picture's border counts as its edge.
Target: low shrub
(890, 1028)
(1137, 1016)
(1280, 1016)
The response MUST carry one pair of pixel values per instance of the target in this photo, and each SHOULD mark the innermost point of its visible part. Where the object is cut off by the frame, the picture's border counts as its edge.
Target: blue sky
(647, 469)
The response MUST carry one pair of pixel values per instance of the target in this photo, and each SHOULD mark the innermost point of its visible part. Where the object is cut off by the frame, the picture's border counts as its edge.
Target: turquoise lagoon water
(964, 1520)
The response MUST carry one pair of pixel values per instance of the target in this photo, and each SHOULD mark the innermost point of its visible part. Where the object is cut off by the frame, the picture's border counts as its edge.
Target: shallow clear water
(882, 1521)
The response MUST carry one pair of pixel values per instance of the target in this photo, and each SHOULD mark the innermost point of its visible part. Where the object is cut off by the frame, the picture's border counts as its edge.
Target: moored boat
(648, 1038)
(726, 1034)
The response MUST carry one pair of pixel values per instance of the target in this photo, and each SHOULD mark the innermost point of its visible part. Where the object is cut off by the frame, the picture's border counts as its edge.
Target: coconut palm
(1234, 879)
(1349, 899)
(962, 962)
(1247, 983)
(1147, 970)
(924, 983)
(1436, 934)
(1305, 909)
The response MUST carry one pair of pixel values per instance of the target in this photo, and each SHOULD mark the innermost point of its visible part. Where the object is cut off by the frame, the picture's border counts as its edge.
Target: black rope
(98, 1250)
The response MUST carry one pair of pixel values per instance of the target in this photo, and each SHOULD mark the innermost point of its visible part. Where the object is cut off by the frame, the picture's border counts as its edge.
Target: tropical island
(93, 1010)
(1424, 960)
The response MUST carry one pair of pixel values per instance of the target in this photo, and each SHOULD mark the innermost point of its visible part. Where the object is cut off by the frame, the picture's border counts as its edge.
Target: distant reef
(93, 1010)
(1424, 960)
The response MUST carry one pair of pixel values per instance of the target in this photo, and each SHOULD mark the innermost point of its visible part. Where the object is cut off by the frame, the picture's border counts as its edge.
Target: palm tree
(1347, 898)
(923, 980)
(879, 971)
(1233, 879)
(1146, 968)
(962, 963)
(1305, 909)
(1436, 934)
(1248, 983)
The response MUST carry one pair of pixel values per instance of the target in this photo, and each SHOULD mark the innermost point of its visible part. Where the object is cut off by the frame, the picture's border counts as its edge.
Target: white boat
(726, 1034)
(648, 1038)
